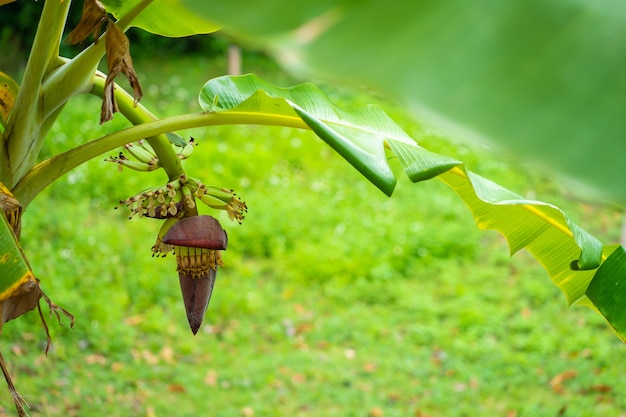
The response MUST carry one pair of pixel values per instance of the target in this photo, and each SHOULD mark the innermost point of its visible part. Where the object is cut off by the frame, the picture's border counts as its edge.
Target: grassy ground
(335, 300)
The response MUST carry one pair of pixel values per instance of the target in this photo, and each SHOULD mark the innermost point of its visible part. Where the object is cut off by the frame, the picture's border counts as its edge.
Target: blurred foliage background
(334, 300)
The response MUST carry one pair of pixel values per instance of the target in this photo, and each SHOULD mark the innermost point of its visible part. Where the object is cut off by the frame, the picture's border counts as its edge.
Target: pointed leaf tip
(607, 290)
(419, 163)
(358, 134)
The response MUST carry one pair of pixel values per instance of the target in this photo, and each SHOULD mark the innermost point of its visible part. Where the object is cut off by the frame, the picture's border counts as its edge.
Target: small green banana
(222, 193)
(187, 149)
(171, 188)
(144, 144)
(188, 197)
(136, 165)
(213, 202)
(142, 154)
(160, 248)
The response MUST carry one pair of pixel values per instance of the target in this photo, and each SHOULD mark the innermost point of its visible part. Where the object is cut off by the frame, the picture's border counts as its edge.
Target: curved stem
(44, 173)
(138, 114)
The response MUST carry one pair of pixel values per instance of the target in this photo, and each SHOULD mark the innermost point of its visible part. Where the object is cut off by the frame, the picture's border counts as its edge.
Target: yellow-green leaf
(14, 268)
(19, 289)
(8, 92)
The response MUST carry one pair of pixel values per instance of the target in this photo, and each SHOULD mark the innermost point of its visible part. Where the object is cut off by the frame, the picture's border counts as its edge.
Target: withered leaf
(91, 21)
(118, 60)
(8, 93)
(11, 209)
(18, 400)
(3, 2)
(24, 299)
(557, 381)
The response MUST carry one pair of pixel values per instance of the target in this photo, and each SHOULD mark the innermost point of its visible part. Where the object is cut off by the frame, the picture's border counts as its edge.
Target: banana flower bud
(197, 242)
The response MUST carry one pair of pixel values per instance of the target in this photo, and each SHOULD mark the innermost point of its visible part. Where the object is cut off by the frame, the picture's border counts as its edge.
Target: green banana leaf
(362, 135)
(355, 135)
(8, 92)
(14, 268)
(606, 290)
(543, 79)
(164, 17)
(19, 290)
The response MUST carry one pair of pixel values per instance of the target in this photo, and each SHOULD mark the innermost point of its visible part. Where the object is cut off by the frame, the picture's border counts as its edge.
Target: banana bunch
(170, 200)
(144, 158)
(220, 199)
(160, 202)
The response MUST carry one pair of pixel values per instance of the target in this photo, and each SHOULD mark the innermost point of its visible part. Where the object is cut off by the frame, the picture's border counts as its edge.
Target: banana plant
(588, 272)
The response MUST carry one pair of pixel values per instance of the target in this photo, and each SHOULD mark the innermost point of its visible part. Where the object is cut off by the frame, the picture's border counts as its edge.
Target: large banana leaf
(544, 78)
(163, 17)
(357, 135)
(361, 135)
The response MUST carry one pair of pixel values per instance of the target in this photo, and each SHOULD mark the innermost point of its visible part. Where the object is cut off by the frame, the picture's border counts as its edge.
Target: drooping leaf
(8, 91)
(93, 17)
(607, 291)
(420, 164)
(541, 228)
(570, 255)
(163, 17)
(357, 134)
(19, 290)
(545, 79)
(118, 61)
(18, 400)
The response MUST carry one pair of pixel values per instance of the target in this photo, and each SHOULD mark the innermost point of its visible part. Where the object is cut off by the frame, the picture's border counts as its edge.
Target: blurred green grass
(334, 300)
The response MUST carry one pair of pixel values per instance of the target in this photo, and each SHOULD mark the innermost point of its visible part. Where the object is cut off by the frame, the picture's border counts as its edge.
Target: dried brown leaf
(3, 2)
(376, 412)
(18, 400)
(601, 388)
(211, 378)
(91, 21)
(12, 209)
(247, 412)
(23, 300)
(176, 388)
(8, 93)
(118, 61)
(557, 382)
